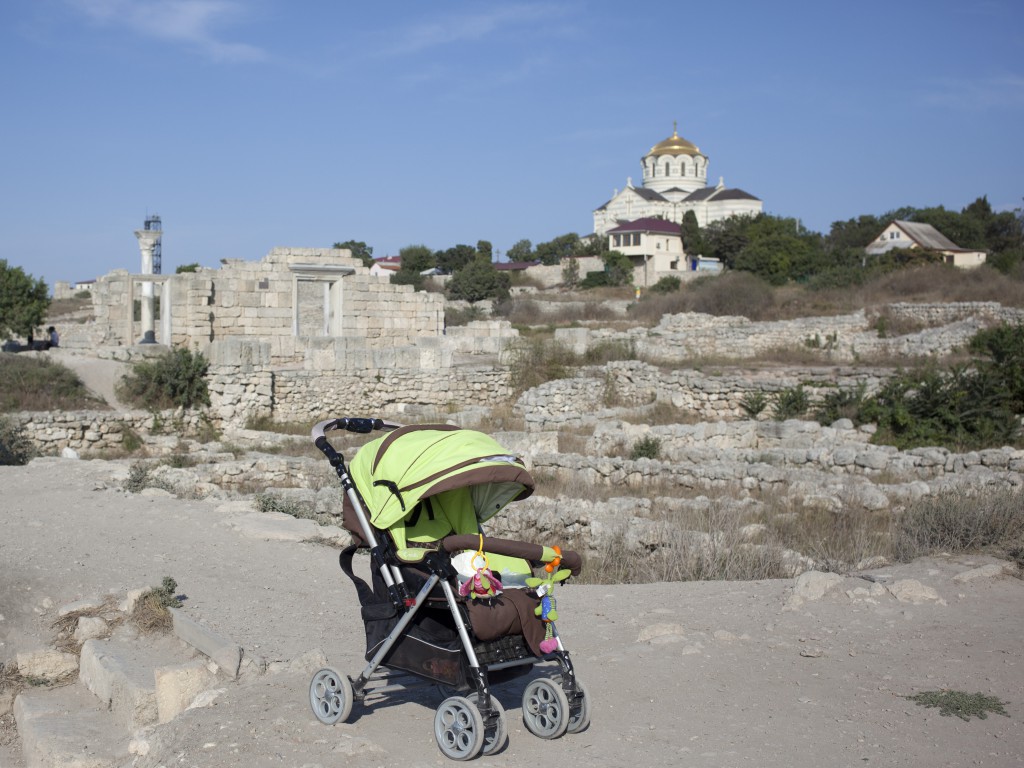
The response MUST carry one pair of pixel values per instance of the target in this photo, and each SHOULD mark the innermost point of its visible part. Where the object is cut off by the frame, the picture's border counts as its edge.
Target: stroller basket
(417, 498)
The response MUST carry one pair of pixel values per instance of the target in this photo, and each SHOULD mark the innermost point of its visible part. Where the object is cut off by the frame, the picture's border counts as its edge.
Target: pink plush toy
(483, 583)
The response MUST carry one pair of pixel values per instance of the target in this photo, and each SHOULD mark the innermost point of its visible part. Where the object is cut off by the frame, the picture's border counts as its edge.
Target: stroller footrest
(509, 648)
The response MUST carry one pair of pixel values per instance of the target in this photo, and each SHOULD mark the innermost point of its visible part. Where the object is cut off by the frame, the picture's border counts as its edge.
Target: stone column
(147, 240)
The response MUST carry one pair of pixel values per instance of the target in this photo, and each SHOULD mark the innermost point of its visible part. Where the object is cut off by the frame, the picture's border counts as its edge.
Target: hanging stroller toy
(448, 605)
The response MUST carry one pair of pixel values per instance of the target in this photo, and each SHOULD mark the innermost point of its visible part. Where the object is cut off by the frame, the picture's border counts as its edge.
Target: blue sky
(249, 124)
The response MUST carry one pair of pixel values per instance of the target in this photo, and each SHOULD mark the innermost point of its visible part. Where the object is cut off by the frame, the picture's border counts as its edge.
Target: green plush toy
(547, 609)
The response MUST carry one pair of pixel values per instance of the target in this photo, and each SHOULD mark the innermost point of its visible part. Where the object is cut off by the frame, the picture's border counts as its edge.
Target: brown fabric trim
(442, 473)
(510, 547)
(387, 441)
(495, 473)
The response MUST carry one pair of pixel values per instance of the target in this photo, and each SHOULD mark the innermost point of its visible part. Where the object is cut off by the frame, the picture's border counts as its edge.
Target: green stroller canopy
(395, 472)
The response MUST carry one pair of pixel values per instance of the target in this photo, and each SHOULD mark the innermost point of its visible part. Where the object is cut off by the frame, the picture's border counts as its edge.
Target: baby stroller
(448, 606)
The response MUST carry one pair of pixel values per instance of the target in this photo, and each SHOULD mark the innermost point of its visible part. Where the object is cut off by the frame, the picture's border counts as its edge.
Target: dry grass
(29, 382)
(961, 520)
(702, 543)
(66, 625)
(151, 612)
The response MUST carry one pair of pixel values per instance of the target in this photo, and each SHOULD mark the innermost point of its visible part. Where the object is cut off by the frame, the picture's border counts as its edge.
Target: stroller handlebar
(360, 426)
(510, 547)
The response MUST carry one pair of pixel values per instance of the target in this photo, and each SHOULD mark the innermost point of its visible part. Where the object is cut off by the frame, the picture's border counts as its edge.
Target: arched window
(666, 168)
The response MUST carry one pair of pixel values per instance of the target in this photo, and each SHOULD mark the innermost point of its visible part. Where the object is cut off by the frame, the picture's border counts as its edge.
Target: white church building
(675, 180)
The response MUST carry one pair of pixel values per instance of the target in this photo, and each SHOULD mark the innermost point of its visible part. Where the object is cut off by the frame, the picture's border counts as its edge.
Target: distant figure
(29, 343)
(54, 336)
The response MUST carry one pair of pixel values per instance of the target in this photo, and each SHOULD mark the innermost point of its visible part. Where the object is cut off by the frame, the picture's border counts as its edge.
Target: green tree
(553, 251)
(571, 274)
(485, 249)
(455, 258)
(593, 245)
(360, 250)
(521, 251)
(618, 268)
(23, 301)
(779, 249)
(725, 238)
(479, 280)
(693, 242)
(854, 233)
(415, 259)
(185, 268)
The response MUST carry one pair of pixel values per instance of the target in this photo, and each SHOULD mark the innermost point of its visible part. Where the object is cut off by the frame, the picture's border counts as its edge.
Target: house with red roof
(653, 245)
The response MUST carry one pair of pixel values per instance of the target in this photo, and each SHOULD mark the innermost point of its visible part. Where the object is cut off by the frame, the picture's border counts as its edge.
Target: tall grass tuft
(960, 520)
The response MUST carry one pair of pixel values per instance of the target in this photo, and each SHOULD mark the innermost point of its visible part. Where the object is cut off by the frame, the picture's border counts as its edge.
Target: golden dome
(674, 145)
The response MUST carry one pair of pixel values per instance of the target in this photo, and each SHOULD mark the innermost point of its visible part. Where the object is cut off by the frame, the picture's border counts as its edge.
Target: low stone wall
(85, 431)
(598, 393)
(311, 395)
(843, 338)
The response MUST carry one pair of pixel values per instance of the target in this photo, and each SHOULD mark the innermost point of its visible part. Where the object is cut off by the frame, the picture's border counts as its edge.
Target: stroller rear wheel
(459, 728)
(545, 708)
(330, 695)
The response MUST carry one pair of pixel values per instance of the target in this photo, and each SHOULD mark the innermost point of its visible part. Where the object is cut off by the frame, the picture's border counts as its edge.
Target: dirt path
(697, 674)
(100, 376)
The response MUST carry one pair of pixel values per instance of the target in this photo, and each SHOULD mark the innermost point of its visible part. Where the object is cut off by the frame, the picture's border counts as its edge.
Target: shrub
(790, 403)
(648, 447)
(454, 316)
(175, 379)
(595, 280)
(958, 521)
(536, 361)
(15, 446)
(840, 404)
(666, 284)
(753, 403)
(963, 705)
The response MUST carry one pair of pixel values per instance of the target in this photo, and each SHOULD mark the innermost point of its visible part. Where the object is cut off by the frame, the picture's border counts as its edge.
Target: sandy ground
(697, 674)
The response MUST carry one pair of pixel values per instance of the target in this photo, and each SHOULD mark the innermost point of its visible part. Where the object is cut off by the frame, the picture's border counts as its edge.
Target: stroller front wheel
(545, 709)
(459, 728)
(330, 695)
(580, 718)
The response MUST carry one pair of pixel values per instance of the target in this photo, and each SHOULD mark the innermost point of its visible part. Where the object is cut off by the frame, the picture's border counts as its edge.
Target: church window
(666, 169)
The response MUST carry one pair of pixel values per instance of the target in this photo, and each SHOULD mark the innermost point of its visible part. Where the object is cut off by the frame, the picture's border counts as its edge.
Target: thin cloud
(473, 27)
(1006, 91)
(190, 22)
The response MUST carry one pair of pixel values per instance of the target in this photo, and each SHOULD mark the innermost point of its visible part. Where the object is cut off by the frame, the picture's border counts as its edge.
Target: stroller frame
(463, 726)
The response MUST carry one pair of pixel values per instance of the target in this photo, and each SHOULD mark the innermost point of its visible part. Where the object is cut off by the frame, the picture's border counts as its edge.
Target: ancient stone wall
(846, 338)
(600, 391)
(84, 431)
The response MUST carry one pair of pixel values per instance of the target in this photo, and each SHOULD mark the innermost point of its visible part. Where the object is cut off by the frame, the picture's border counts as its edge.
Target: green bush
(666, 284)
(15, 446)
(478, 280)
(841, 404)
(790, 403)
(753, 403)
(595, 280)
(646, 448)
(175, 379)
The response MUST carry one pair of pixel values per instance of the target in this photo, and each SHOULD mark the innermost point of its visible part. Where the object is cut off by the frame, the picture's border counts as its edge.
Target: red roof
(648, 225)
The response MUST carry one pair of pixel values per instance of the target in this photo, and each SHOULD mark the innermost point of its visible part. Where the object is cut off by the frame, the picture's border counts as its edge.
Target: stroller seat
(418, 498)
